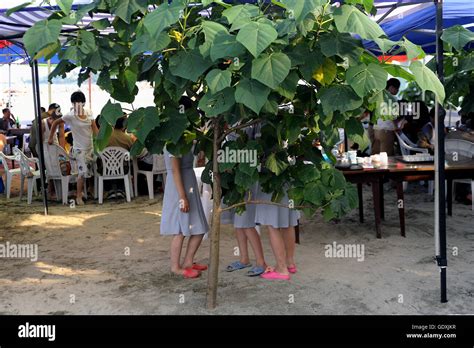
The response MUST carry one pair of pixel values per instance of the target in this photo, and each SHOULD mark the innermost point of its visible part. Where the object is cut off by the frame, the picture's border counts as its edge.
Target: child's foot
(187, 273)
(199, 267)
(292, 269)
(272, 274)
(234, 266)
(79, 201)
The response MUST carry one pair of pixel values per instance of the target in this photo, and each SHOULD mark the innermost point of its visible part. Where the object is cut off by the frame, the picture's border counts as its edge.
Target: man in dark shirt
(8, 121)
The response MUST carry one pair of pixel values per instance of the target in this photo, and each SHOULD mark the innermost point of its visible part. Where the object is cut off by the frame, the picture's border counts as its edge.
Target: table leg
(449, 197)
(376, 200)
(361, 202)
(401, 207)
(382, 202)
(297, 233)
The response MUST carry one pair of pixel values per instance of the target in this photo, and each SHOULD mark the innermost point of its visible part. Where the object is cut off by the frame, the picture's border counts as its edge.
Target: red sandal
(191, 273)
(198, 267)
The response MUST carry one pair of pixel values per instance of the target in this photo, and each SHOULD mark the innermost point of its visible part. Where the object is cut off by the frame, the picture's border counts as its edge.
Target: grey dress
(173, 220)
(247, 218)
(273, 215)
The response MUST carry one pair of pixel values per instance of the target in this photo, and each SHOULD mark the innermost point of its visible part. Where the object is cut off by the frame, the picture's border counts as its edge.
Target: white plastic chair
(113, 168)
(27, 172)
(9, 172)
(406, 148)
(26, 144)
(53, 170)
(461, 148)
(159, 168)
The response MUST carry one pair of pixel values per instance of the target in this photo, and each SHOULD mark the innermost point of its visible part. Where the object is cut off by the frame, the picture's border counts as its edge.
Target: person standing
(54, 111)
(83, 128)
(383, 136)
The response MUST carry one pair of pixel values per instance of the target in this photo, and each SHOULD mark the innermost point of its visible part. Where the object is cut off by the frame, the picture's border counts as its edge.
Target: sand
(110, 259)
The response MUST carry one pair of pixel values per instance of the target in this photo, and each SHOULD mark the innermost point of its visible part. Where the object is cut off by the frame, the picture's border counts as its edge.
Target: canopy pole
(49, 83)
(440, 195)
(39, 133)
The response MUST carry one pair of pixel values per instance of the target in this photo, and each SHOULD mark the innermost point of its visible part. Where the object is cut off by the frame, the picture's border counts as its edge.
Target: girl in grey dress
(281, 222)
(183, 215)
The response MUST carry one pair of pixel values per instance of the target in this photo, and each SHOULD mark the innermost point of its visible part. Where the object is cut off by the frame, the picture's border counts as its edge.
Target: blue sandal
(235, 266)
(255, 271)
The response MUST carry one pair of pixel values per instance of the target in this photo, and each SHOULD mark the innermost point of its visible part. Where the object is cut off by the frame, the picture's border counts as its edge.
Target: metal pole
(49, 83)
(440, 197)
(39, 133)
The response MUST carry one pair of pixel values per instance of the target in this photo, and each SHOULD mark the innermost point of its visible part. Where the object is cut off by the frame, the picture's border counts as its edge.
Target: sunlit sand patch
(64, 271)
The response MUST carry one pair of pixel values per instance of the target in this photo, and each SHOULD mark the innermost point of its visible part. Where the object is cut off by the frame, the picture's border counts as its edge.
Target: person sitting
(52, 114)
(426, 137)
(8, 120)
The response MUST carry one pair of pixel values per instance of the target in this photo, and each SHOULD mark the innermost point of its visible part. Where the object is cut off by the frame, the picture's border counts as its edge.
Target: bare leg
(80, 187)
(278, 247)
(176, 246)
(290, 243)
(193, 245)
(256, 244)
(243, 247)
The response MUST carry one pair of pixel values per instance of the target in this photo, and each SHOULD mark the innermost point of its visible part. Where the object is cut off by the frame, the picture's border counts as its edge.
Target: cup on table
(352, 157)
(383, 158)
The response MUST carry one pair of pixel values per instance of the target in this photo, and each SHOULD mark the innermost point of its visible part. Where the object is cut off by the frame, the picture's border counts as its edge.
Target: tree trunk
(212, 280)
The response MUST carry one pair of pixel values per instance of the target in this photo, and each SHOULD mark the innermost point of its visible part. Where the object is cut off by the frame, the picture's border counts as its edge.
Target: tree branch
(266, 202)
(240, 126)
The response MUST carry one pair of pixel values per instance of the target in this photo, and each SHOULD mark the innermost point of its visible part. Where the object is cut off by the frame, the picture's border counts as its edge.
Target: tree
(293, 66)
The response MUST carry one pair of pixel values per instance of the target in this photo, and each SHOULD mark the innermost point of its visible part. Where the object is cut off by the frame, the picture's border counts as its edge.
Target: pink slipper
(273, 275)
(292, 269)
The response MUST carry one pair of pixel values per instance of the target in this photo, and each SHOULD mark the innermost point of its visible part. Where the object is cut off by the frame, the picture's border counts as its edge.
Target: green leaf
(427, 80)
(65, 6)
(87, 42)
(42, 34)
(102, 139)
(288, 87)
(225, 46)
(210, 30)
(111, 113)
(145, 43)
(354, 126)
(18, 8)
(366, 78)
(326, 72)
(398, 71)
(457, 36)
(349, 19)
(163, 16)
(315, 193)
(240, 13)
(275, 165)
(413, 51)
(126, 8)
(101, 24)
(271, 69)
(339, 98)
(104, 82)
(173, 128)
(308, 173)
(142, 121)
(298, 9)
(218, 79)
(216, 104)
(256, 37)
(385, 44)
(342, 45)
(189, 65)
(252, 94)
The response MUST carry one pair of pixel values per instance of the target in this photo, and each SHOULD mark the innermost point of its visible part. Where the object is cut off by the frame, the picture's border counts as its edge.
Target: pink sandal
(292, 269)
(271, 274)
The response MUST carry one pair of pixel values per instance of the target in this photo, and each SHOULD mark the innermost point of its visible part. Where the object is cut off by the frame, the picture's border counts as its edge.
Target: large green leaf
(111, 113)
(413, 51)
(43, 33)
(275, 165)
(145, 42)
(189, 65)
(288, 87)
(216, 104)
(210, 30)
(315, 193)
(326, 72)
(256, 37)
(427, 80)
(102, 139)
(163, 16)
(225, 46)
(65, 6)
(142, 121)
(457, 36)
(349, 19)
(218, 79)
(87, 42)
(252, 94)
(240, 13)
(126, 8)
(299, 10)
(271, 69)
(173, 128)
(366, 78)
(339, 98)
(18, 8)
(398, 71)
(342, 45)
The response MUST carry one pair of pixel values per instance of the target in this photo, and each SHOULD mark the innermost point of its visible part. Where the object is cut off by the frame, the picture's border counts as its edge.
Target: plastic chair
(461, 148)
(113, 168)
(53, 170)
(159, 168)
(26, 144)
(9, 172)
(27, 172)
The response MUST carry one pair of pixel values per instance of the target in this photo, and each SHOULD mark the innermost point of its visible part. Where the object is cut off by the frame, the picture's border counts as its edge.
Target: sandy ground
(83, 267)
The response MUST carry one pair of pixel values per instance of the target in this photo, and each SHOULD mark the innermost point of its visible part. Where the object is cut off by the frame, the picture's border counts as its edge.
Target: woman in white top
(82, 127)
